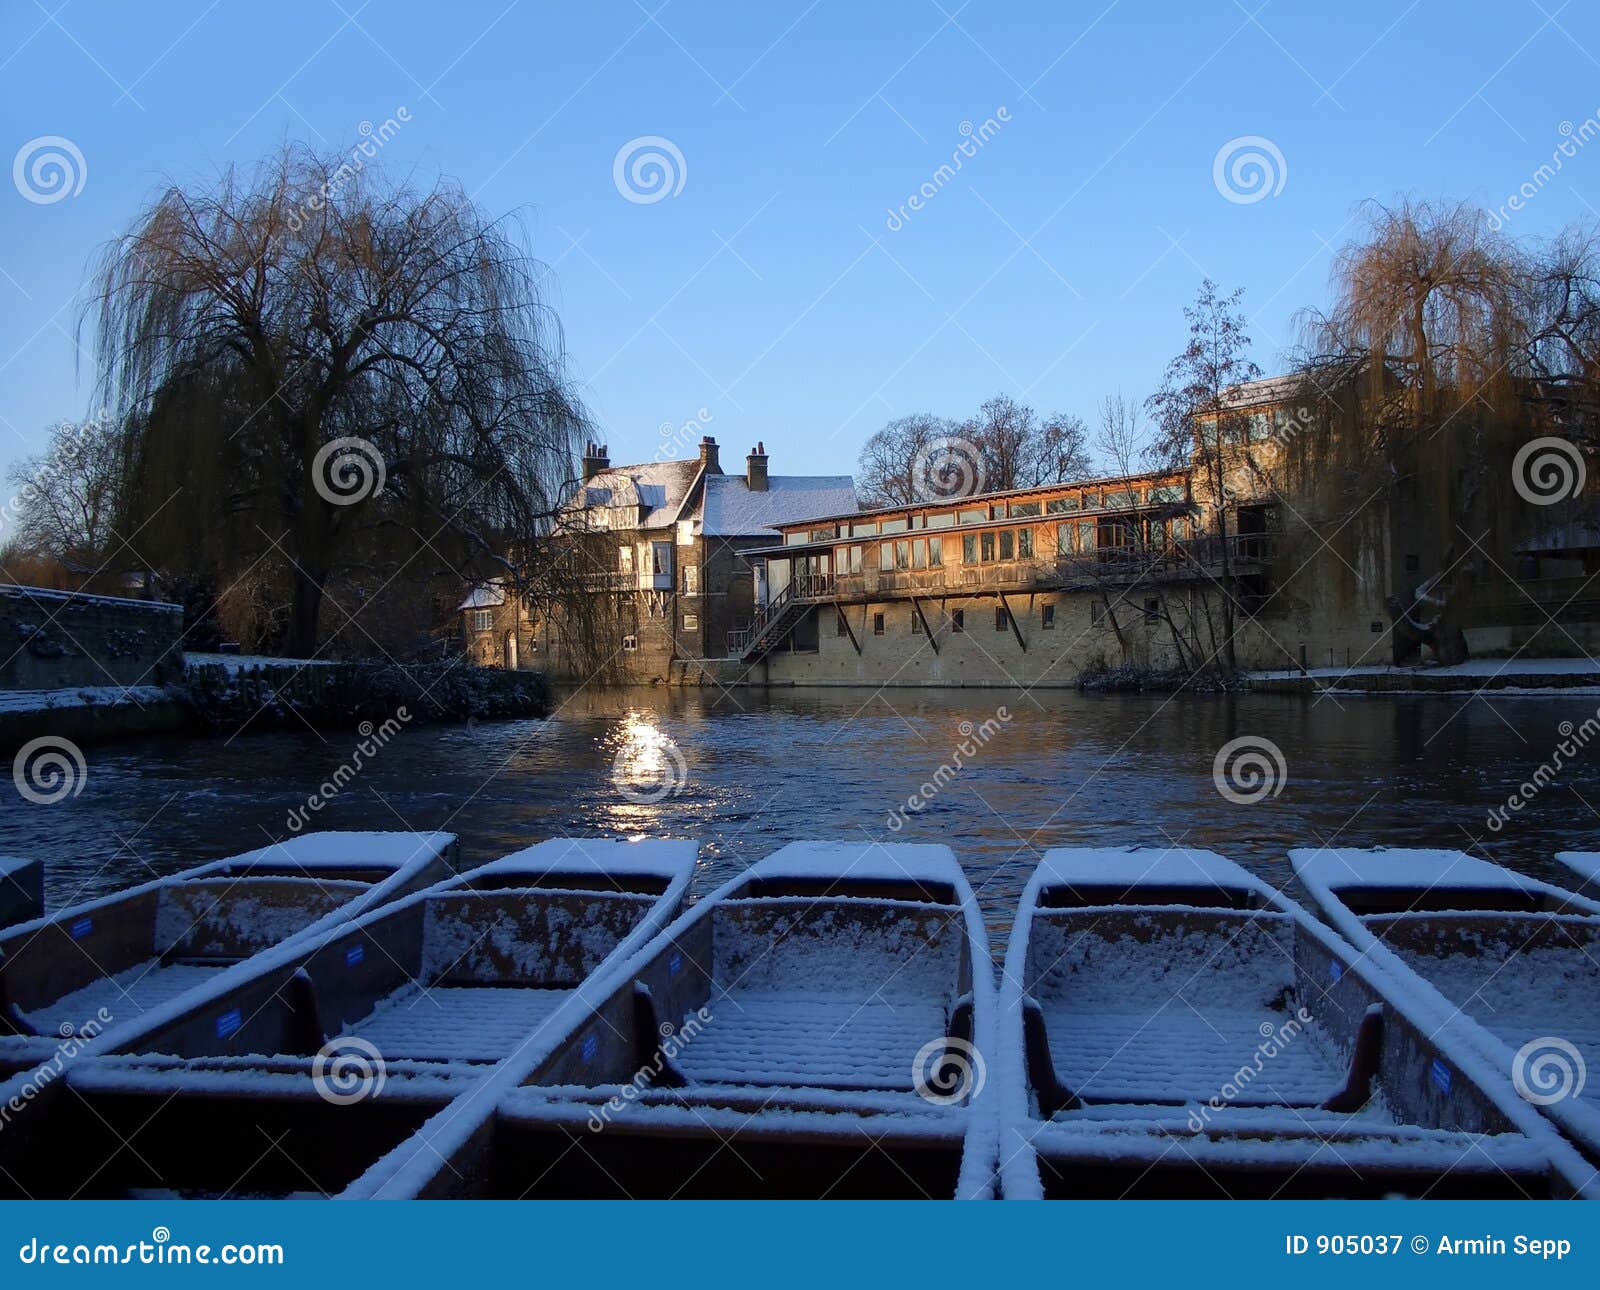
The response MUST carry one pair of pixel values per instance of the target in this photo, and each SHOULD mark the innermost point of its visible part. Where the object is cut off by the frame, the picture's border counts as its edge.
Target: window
(986, 545)
(1086, 537)
(691, 622)
(1000, 618)
(1058, 504)
(892, 526)
(1259, 429)
(1008, 545)
(976, 516)
(969, 548)
(1024, 508)
(1025, 544)
(691, 579)
(916, 623)
(630, 642)
(1412, 564)
(855, 559)
(483, 620)
(1096, 612)
(885, 557)
(822, 535)
(902, 555)
(877, 624)
(625, 558)
(1167, 493)
(919, 554)
(868, 528)
(935, 552)
(1063, 539)
(1047, 617)
(943, 521)
(958, 620)
(1152, 608)
(1117, 500)
(661, 557)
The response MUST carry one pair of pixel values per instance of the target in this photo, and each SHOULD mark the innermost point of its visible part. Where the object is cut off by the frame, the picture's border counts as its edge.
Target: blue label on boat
(675, 964)
(228, 1022)
(1441, 1075)
(591, 1046)
(1335, 970)
(354, 955)
(82, 928)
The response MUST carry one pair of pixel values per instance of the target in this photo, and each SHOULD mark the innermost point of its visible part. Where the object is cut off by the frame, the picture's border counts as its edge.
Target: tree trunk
(305, 613)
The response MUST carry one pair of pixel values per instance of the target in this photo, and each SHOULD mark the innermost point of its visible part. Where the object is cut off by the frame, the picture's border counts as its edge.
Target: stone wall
(54, 639)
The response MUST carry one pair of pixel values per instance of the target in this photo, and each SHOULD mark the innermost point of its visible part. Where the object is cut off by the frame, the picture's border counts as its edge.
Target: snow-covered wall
(57, 639)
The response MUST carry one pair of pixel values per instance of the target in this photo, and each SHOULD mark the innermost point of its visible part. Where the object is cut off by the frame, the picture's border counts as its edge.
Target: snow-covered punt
(93, 971)
(1507, 961)
(1585, 867)
(816, 1027)
(345, 1046)
(1172, 1026)
(21, 890)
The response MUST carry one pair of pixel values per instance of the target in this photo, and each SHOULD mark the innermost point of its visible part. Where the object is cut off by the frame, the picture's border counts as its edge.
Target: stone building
(667, 578)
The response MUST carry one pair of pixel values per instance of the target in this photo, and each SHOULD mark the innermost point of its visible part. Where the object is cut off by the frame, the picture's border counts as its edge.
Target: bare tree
(68, 497)
(1198, 421)
(334, 372)
(893, 459)
(1122, 437)
(1060, 451)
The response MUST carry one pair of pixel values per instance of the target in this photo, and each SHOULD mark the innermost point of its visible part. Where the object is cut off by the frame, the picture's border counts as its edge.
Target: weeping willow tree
(330, 375)
(1446, 348)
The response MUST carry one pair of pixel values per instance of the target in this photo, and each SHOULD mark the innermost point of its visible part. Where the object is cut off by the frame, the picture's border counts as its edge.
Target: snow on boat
(340, 1048)
(1172, 1026)
(1508, 961)
(1585, 867)
(21, 890)
(92, 972)
(816, 1027)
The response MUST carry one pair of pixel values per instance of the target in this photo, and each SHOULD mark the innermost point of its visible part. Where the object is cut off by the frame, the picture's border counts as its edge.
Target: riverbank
(1534, 676)
(227, 694)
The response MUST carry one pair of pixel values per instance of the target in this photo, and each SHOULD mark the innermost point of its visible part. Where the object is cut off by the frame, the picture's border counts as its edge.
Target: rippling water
(764, 769)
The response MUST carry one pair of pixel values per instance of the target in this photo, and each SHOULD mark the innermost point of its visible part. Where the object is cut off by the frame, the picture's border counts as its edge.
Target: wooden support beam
(849, 630)
(932, 639)
(1012, 619)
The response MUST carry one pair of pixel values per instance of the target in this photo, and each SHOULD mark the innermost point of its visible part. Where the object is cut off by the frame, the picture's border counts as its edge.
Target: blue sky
(769, 289)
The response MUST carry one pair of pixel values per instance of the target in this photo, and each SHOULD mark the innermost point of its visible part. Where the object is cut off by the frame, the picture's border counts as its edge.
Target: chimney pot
(709, 458)
(755, 469)
(596, 458)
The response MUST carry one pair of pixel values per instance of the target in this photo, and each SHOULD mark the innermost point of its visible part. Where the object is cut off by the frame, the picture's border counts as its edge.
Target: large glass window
(1024, 508)
(1024, 544)
(661, 557)
(892, 526)
(986, 545)
(977, 516)
(1058, 504)
(969, 548)
(919, 554)
(935, 552)
(885, 557)
(1064, 539)
(902, 555)
(625, 558)
(855, 559)
(941, 521)
(1008, 545)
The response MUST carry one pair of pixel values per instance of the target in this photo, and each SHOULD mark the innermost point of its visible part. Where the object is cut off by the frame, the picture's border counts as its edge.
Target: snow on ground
(82, 696)
(1477, 668)
(233, 664)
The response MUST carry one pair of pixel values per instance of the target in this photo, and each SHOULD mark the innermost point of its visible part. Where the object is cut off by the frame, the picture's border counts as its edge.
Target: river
(758, 769)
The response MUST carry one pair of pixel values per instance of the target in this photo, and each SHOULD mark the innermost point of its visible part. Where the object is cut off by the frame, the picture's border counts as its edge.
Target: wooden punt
(92, 972)
(1509, 962)
(291, 1076)
(815, 1028)
(1585, 869)
(1172, 1026)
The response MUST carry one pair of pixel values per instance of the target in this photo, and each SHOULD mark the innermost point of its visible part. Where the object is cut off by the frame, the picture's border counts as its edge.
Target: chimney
(755, 469)
(708, 456)
(595, 459)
